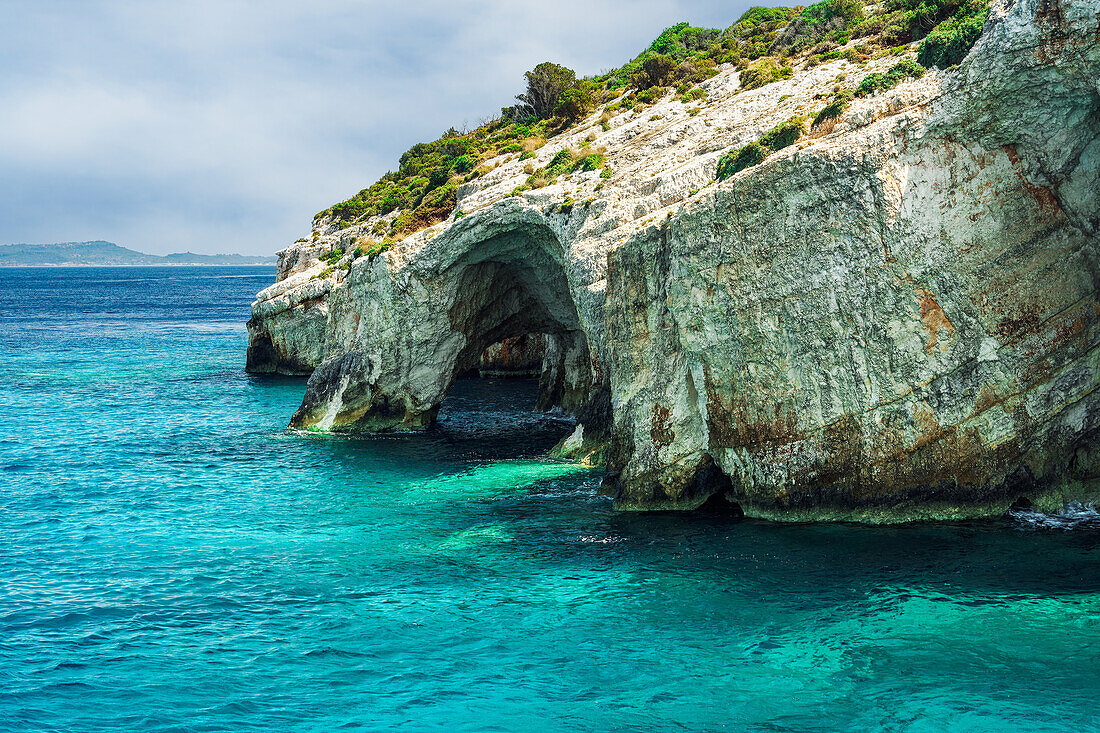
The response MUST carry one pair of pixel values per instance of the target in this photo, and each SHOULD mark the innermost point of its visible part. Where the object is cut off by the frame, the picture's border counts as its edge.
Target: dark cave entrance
(519, 357)
(498, 418)
(524, 354)
(514, 306)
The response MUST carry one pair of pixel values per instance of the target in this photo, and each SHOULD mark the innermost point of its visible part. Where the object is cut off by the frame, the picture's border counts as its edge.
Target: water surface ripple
(173, 559)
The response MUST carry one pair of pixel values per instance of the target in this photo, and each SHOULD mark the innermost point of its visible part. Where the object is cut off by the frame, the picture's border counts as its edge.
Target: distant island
(105, 254)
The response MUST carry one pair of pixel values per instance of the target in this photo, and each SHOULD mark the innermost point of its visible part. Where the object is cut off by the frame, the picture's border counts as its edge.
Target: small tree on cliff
(545, 86)
(655, 71)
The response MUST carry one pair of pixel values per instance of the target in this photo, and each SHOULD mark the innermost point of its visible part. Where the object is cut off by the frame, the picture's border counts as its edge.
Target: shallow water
(171, 558)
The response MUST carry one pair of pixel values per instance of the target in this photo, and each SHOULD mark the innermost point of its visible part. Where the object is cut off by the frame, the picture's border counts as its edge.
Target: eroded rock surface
(896, 318)
(517, 356)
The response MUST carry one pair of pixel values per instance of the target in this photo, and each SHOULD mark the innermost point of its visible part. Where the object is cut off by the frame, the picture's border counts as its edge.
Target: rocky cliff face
(895, 318)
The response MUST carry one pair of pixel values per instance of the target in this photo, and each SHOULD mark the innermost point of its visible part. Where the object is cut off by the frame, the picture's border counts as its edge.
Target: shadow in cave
(497, 418)
(519, 320)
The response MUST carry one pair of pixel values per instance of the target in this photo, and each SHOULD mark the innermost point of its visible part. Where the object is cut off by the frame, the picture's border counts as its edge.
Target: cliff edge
(892, 317)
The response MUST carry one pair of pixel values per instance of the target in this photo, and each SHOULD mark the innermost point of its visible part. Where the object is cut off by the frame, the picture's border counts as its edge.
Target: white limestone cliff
(895, 318)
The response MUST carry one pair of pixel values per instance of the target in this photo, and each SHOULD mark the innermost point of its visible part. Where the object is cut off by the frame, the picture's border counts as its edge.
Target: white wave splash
(1073, 516)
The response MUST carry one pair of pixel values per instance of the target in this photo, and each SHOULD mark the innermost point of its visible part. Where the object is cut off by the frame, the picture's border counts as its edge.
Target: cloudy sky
(221, 126)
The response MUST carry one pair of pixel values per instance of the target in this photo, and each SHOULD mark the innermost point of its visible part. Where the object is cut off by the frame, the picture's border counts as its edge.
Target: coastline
(154, 264)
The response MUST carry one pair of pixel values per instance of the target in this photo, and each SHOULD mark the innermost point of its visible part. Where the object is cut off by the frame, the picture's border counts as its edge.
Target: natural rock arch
(421, 326)
(895, 319)
(510, 285)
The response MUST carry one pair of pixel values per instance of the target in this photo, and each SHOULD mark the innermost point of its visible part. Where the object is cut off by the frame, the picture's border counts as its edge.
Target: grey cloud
(224, 126)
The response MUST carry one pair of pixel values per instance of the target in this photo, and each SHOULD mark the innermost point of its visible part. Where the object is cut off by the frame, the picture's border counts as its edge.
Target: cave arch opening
(514, 307)
(492, 280)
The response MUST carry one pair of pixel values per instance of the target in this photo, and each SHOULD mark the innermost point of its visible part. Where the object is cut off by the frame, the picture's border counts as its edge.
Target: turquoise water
(172, 559)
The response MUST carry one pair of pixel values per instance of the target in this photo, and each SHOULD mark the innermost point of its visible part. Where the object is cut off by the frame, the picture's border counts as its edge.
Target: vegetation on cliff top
(764, 43)
(777, 138)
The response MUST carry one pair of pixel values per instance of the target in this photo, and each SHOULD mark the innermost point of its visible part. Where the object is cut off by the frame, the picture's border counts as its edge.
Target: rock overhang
(824, 335)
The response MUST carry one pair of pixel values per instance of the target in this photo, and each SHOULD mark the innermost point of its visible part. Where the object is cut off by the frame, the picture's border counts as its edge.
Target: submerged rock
(894, 318)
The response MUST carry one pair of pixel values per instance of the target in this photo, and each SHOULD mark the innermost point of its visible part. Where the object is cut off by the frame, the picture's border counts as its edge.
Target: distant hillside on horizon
(100, 253)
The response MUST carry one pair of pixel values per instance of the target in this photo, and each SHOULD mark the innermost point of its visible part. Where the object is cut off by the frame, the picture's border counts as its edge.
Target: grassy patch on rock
(877, 82)
(779, 137)
(738, 160)
(764, 71)
(833, 109)
(766, 44)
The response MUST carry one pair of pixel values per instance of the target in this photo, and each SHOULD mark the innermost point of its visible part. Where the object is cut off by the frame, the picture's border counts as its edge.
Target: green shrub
(591, 162)
(539, 179)
(876, 82)
(950, 41)
(576, 102)
(784, 134)
(566, 205)
(464, 163)
(606, 172)
(763, 71)
(873, 83)
(693, 94)
(740, 159)
(779, 137)
(526, 155)
(906, 67)
(834, 109)
(373, 249)
(562, 162)
(655, 70)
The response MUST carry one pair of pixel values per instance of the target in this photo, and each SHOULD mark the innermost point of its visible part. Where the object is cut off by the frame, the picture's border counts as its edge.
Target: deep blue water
(173, 559)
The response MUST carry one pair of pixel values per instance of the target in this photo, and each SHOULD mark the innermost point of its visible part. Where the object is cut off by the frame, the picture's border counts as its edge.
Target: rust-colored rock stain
(934, 319)
(661, 430)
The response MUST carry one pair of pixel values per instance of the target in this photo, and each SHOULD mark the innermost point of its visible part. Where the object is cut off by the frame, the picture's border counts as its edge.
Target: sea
(173, 558)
